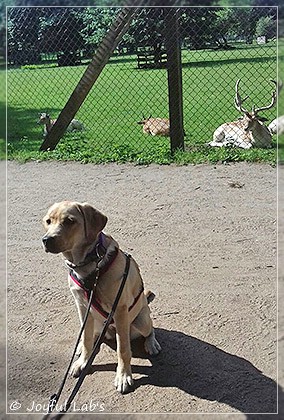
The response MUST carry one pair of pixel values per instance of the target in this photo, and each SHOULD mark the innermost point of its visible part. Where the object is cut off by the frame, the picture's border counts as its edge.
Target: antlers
(239, 101)
(275, 93)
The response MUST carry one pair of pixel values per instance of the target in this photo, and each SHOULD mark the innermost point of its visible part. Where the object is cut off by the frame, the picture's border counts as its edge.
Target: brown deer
(156, 126)
(249, 131)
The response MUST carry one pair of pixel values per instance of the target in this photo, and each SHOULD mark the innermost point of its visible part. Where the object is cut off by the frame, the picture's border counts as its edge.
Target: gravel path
(205, 239)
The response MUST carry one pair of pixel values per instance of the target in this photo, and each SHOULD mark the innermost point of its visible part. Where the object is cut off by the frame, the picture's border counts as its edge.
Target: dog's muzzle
(49, 244)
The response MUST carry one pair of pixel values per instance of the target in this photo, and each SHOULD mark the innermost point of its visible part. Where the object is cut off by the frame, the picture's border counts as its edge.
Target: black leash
(55, 397)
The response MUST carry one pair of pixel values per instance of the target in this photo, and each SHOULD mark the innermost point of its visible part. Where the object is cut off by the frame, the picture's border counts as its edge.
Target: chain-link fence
(48, 49)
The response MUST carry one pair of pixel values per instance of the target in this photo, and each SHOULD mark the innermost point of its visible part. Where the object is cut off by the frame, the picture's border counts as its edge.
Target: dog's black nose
(47, 243)
(50, 244)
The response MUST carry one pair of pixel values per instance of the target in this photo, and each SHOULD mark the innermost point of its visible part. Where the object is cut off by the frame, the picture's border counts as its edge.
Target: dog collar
(95, 255)
(103, 257)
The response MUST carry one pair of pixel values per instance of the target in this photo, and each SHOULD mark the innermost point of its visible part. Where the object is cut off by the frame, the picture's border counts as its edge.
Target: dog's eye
(69, 221)
(48, 221)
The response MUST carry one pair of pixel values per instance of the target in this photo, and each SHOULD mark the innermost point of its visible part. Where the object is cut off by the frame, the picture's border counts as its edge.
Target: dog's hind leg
(144, 325)
(152, 345)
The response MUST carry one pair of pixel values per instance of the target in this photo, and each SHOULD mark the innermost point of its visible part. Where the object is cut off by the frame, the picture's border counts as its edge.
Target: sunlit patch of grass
(123, 94)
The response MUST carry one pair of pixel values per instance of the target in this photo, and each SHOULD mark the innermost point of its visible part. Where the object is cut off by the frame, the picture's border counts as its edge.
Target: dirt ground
(205, 238)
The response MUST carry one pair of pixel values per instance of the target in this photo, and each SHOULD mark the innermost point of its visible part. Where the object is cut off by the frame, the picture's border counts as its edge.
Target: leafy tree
(198, 28)
(2, 29)
(23, 28)
(32, 31)
(266, 27)
(60, 32)
(271, 3)
(95, 23)
(49, 3)
(253, 3)
(236, 23)
(68, 31)
(147, 27)
(241, 22)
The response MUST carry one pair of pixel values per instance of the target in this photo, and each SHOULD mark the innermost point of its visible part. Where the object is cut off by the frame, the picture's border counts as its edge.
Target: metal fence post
(174, 68)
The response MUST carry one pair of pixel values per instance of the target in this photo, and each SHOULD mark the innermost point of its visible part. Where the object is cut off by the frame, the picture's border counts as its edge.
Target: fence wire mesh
(48, 49)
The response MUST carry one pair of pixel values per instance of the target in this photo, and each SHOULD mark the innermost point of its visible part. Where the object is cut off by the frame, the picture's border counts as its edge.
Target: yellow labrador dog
(75, 230)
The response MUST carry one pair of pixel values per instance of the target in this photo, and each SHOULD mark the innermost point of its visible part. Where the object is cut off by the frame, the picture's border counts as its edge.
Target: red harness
(96, 304)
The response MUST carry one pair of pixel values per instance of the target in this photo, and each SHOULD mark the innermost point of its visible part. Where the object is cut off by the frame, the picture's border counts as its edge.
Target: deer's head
(252, 118)
(44, 118)
(144, 120)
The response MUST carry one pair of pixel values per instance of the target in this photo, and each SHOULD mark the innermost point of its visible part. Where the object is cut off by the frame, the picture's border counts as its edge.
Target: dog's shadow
(205, 371)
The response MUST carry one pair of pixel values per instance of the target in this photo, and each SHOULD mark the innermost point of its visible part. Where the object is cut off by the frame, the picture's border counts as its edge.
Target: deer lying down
(277, 126)
(47, 122)
(156, 126)
(247, 132)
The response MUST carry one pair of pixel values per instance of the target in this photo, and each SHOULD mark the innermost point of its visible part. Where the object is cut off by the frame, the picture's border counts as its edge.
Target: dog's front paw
(151, 345)
(78, 366)
(124, 382)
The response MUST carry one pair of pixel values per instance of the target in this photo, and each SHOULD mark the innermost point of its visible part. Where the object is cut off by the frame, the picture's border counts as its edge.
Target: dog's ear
(94, 221)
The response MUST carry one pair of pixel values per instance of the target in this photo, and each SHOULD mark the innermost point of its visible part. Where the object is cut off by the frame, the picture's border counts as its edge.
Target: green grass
(281, 99)
(2, 116)
(123, 94)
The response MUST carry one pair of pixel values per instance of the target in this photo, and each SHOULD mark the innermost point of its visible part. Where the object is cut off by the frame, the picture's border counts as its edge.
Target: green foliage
(96, 22)
(230, 3)
(37, 66)
(34, 31)
(64, 24)
(266, 27)
(281, 98)
(200, 27)
(23, 35)
(238, 23)
(2, 115)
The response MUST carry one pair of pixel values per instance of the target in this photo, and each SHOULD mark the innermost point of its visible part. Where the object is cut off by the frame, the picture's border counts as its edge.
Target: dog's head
(71, 224)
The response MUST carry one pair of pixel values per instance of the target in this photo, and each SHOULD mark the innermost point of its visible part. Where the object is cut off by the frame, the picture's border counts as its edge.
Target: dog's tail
(150, 296)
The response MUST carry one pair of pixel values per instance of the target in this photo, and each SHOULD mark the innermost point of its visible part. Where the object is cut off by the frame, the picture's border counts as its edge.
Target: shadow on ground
(205, 371)
(196, 367)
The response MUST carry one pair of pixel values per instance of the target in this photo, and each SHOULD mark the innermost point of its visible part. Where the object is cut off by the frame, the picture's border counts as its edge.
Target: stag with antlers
(249, 131)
